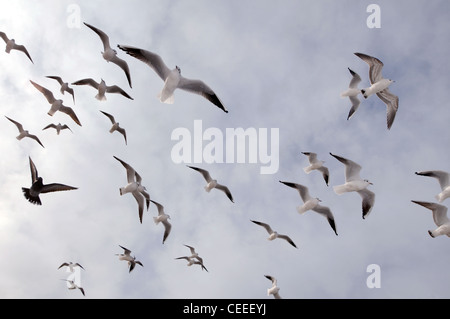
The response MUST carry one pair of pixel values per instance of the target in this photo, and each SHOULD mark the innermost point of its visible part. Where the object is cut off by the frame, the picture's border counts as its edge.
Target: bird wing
(34, 172)
(55, 187)
(192, 249)
(441, 176)
(123, 132)
(117, 89)
(111, 118)
(57, 78)
(126, 250)
(204, 172)
(19, 126)
(326, 212)
(225, 190)
(272, 279)
(167, 229)
(49, 126)
(302, 190)
(131, 173)
(375, 66)
(391, 101)
(159, 206)
(47, 93)
(312, 157)
(439, 212)
(24, 50)
(356, 79)
(200, 87)
(4, 37)
(124, 66)
(355, 105)
(325, 173)
(87, 81)
(153, 60)
(34, 137)
(368, 199)
(140, 200)
(289, 240)
(352, 169)
(103, 36)
(63, 264)
(266, 226)
(69, 111)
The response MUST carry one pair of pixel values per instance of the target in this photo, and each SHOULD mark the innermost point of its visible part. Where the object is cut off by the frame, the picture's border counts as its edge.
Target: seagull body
(274, 290)
(191, 262)
(352, 92)
(162, 218)
(311, 203)
(38, 187)
(316, 164)
(11, 45)
(130, 259)
(102, 88)
(58, 127)
(273, 234)
(109, 54)
(56, 105)
(439, 217)
(379, 86)
(444, 182)
(135, 187)
(74, 286)
(172, 78)
(115, 126)
(354, 183)
(212, 183)
(71, 265)
(24, 133)
(64, 86)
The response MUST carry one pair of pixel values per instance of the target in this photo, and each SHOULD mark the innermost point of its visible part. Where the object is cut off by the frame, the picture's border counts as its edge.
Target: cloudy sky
(276, 68)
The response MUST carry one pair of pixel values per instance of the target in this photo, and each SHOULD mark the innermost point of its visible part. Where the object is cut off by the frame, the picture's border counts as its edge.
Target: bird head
(178, 68)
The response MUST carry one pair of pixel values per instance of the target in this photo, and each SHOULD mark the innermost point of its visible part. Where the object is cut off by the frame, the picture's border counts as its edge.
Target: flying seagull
(172, 78)
(109, 54)
(443, 178)
(311, 203)
(316, 164)
(71, 265)
(57, 105)
(135, 187)
(64, 86)
(162, 218)
(354, 183)
(191, 262)
(352, 92)
(24, 133)
(72, 285)
(273, 234)
(130, 259)
(102, 88)
(379, 86)
(440, 218)
(115, 126)
(58, 127)
(274, 289)
(194, 254)
(11, 45)
(212, 183)
(38, 187)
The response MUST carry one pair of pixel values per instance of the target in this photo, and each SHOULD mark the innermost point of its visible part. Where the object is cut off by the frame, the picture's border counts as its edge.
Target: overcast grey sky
(276, 67)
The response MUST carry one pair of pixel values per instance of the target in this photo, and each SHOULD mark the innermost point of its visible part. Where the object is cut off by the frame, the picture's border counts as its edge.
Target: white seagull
(352, 92)
(440, 218)
(273, 234)
(194, 254)
(24, 133)
(38, 187)
(212, 183)
(162, 218)
(354, 183)
(444, 182)
(102, 88)
(130, 259)
(72, 286)
(172, 78)
(312, 203)
(64, 86)
(109, 54)
(115, 126)
(274, 289)
(191, 262)
(316, 164)
(71, 265)
(56, 105)
(58, 127)
(135, 187)
(379, 86)
(11, 45)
